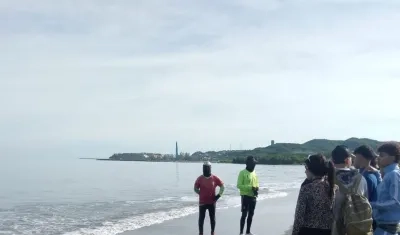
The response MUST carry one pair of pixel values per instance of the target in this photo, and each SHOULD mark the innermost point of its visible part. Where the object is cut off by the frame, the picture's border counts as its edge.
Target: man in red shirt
(205, 186)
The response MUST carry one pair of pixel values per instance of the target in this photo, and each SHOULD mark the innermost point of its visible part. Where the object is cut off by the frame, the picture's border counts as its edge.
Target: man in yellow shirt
(248, 185)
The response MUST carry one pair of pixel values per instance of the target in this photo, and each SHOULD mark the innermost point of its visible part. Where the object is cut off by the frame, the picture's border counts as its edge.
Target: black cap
(340, 153)
(251, 159)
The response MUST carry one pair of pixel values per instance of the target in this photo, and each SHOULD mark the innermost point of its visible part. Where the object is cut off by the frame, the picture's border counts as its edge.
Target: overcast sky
(93, 77)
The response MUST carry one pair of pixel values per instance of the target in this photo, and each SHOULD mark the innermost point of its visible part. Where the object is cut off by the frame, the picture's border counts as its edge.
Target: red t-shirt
(207, 188)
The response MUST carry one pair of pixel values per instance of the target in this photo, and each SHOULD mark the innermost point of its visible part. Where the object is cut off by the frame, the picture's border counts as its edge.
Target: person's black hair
(392, 149)
(340, 153)
(319, 166)
(251, 159)
(368, 153)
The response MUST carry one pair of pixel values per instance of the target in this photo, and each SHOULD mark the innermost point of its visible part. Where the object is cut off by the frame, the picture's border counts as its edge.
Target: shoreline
(272, 216)
(223, 162)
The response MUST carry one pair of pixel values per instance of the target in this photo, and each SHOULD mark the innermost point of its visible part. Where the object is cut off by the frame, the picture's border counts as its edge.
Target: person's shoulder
(242, 172)
(306, 189)
(200, 178)
(215, 177)
(370, 177)
(393, 175)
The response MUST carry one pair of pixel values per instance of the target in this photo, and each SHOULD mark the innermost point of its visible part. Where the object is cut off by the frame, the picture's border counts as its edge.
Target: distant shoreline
(226, 162)
(274, 154)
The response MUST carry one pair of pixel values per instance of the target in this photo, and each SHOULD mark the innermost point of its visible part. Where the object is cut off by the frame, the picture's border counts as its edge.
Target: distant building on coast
(272, 142)
(176, 150)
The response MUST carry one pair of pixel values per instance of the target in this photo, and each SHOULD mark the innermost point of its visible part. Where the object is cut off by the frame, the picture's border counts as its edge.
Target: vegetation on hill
(277, 154)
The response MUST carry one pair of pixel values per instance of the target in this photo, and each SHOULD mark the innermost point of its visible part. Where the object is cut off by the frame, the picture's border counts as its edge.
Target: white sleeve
(363, 187)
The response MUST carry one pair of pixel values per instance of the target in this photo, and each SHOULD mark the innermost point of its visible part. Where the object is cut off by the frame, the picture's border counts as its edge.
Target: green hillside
(279, 153)
(286, 153)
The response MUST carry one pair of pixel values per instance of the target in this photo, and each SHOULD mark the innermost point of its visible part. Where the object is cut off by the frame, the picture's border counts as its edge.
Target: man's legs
(252, 207)
(202, 216)
(211, 213)
(244, 213)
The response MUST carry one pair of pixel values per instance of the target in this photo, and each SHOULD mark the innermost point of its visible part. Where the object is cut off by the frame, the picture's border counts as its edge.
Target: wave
(136, 222)
(163, 199)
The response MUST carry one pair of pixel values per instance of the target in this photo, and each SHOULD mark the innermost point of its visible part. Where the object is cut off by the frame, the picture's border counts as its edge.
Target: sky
(96, 77)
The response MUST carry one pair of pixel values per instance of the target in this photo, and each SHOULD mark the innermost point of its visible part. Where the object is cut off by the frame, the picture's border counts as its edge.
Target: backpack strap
(357, 183)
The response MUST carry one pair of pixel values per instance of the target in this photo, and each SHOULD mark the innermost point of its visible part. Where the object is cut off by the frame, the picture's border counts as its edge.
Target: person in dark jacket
(366, 163)
(365, 158)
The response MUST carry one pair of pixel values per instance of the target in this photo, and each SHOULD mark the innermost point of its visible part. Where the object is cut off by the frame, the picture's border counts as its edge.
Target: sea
(82, 197)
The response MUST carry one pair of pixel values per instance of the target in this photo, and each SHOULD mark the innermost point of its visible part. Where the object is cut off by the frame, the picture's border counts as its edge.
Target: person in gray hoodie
(342, 159)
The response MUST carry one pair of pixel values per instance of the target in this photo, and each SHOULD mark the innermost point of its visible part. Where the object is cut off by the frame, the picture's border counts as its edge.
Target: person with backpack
(351, 210)
(205, 186)
(386, 209)
(314, 205)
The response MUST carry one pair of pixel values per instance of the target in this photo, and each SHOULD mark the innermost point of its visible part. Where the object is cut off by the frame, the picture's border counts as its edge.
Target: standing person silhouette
(248, 185)
(205, 186)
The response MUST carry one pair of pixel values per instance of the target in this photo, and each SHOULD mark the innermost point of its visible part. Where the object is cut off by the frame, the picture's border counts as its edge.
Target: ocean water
(76, 197)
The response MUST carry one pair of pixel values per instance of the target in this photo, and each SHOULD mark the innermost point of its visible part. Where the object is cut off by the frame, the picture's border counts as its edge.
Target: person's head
(207, 169)
(389, 153)
(341, 156)
(365, 156)
(318, 166)
(250, 163)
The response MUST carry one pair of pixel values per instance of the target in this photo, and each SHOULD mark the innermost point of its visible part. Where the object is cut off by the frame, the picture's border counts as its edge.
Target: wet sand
(272, 217)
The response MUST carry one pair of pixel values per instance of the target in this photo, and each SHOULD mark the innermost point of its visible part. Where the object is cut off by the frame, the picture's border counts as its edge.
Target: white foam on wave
(189, 199)
(163, 199)
(136, 222)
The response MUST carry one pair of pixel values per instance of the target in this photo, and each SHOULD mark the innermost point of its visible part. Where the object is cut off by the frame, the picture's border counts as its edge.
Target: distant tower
(272, 142)
(176, 149)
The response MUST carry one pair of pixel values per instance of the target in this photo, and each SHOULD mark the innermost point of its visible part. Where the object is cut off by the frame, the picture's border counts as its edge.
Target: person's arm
(300, 211)
(392, 182)
(221, 186)
(371, 184)
(240, 183)
(197, 186)
(257, 184)
(376, 172)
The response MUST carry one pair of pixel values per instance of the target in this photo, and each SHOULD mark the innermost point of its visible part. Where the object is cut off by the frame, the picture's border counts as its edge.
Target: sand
(272, 217)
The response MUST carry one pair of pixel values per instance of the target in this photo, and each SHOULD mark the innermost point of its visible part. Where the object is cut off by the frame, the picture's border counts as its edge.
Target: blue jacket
(373, 179)
(386, 209)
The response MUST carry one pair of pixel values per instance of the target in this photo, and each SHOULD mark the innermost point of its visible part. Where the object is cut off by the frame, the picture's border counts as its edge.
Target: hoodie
(373, 179)
(387, 207)
(347, 177)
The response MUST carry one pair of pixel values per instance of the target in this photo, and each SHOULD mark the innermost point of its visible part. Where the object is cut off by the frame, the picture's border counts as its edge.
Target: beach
(272, 217)
(109, 198)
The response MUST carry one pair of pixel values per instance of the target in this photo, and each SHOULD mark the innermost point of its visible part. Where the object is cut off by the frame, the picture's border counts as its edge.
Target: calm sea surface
(73, 196)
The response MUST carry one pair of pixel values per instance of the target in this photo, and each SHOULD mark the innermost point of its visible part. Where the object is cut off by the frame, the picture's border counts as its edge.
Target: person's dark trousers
(248, 207)
(314, 231)
(202, 216)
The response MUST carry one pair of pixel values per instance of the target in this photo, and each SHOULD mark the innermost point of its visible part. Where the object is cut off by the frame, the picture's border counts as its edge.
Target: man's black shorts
(249, 204)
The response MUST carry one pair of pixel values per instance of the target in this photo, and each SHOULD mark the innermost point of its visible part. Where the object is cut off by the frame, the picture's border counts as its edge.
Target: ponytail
(331, 178)
(374, 163)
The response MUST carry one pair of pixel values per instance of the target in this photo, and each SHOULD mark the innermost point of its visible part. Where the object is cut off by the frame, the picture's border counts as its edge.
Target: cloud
(138, 75)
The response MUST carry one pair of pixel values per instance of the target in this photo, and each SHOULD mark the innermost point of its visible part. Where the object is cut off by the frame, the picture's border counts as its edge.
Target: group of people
(353, 193)
(248, 185)
(340, 197)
